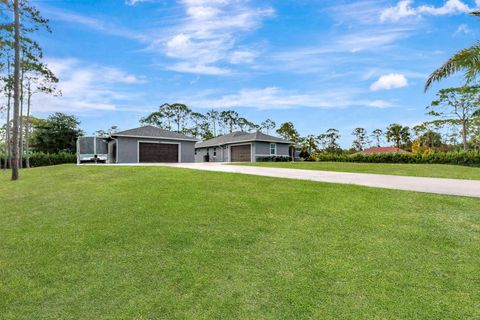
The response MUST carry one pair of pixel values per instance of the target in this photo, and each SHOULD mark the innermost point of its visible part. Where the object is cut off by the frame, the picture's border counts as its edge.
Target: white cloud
(450, 7)
(242, 56)
(401, 10)
(370, 39)
(404, 9)
(332, 54)
(389, 81)
(358, 11)
(463, 29)
(210, 34)
(96, 24)
(187, 67)
(86, 87)
(135, 2)
(380, 104)
(276, 98)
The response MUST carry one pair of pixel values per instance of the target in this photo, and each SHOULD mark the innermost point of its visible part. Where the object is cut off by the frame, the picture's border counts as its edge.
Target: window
(273, 149)
(195, 151)
(208, 151)
(214, 152)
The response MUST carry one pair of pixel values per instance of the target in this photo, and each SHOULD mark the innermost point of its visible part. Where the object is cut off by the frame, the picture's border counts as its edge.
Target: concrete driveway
(458, 187)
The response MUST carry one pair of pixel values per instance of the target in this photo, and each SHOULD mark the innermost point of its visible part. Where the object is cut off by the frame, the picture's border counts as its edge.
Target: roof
(239, 136)
(152, 132)
(377, 150)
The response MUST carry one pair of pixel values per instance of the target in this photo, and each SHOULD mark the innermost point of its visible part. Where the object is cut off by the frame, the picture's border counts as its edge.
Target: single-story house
(147, 144)
(242, 147)
(381, 150)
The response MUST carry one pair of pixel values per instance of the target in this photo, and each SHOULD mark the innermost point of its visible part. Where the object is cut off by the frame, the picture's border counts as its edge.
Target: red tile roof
(382, 150)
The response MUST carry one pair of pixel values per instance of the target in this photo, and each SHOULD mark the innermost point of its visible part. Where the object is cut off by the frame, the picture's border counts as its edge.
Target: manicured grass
(163, 243)
(416, 170)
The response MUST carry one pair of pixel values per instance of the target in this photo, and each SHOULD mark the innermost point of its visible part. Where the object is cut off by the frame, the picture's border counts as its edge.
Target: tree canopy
(58, 133)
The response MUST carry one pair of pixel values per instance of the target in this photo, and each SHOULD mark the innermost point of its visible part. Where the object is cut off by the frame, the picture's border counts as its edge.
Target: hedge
(40, 159)
(274, 159)
(465, 158)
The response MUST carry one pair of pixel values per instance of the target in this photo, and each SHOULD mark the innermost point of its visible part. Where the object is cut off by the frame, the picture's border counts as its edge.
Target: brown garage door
(158, 152)
(241, 153)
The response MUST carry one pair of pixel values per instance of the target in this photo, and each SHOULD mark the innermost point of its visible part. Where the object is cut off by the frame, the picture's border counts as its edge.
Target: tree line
(180, 118)
(57, 133)
(23, 75)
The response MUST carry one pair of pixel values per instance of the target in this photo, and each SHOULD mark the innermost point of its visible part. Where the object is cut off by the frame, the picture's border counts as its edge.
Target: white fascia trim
(148, 137)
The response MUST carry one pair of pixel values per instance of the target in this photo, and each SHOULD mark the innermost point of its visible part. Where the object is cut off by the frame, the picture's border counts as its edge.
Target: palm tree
(268, 125)
(213, 116)
(309, 143)
(243, 124)
(377, 135)
(229, 118)
(467, 60)
(398, 134)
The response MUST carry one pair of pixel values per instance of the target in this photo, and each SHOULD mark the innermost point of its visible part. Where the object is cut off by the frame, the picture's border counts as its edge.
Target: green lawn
(416, 170)
(163, 243)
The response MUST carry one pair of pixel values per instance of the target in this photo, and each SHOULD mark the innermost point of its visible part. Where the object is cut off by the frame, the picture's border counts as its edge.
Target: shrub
(40, 159)
(274, 159)
(466, 158)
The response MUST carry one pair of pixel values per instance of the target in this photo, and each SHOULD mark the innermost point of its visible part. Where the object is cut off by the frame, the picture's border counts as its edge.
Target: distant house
(147, 144)
(241, 147)
(381, 150)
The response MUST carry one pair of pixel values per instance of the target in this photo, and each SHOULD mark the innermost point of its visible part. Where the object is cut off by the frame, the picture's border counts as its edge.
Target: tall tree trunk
(16, 90)
(27, 127)
(8, 145)
(7, 140)
(8, 148)
(21, 129)
(464, 135)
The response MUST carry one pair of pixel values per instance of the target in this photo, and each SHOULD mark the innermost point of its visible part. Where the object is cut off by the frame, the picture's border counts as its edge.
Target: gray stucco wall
(112, 151)
(127, 149)
(283, 149)
(261, 149)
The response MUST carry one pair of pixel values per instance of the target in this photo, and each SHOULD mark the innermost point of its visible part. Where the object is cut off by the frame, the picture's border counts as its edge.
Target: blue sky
(319, 64)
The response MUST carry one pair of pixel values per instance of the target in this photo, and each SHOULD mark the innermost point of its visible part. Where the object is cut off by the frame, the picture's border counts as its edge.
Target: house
(147, 144)
(241, 147)
(381, 150)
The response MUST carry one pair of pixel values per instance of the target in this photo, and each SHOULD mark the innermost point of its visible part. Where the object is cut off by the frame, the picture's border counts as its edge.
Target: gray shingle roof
(153, 132)
(239, 136)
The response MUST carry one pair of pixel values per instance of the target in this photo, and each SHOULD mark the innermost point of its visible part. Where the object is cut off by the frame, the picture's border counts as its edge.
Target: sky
(318, 63)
